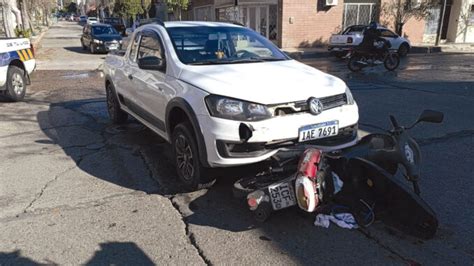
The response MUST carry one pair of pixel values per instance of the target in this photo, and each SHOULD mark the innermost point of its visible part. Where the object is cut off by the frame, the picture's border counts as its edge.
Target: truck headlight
(234, 109)
(97, 41)
(350, 98)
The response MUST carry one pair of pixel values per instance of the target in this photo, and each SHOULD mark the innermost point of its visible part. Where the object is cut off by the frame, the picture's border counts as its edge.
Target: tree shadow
(119, 253)
(77, 49)
(110, 253)
(15, 258)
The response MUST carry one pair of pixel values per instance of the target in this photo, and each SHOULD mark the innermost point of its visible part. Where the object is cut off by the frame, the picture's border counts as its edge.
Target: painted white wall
(464, 29)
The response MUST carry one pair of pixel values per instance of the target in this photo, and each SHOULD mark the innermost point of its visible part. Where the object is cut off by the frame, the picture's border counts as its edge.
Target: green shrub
(23, 33)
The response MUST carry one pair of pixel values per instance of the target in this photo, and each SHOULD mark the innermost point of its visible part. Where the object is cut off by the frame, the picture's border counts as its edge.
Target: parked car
(352, 36)
(92, 20)
(116, 23)
(17, 62)
(203, 85)
(82, 20)
(100, 38)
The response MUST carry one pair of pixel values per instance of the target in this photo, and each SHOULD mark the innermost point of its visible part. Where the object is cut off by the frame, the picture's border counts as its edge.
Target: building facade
(297, 23)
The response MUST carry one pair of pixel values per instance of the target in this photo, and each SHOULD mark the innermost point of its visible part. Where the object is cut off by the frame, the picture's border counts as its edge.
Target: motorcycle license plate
(282, 195)
(319, 131)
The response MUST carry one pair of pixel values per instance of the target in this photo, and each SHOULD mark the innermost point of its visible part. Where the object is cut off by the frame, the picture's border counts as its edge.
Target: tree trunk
(399, 28)
(8, 20)
(25, 16)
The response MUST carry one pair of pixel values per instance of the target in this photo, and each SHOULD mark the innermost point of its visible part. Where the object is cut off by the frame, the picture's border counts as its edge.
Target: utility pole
(440, 24)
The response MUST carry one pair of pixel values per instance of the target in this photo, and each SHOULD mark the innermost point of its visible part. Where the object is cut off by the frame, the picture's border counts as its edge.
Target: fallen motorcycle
(359, 59)
(370, 190)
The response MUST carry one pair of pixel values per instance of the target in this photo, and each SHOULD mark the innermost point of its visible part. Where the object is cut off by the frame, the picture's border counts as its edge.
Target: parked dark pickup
(116, 23)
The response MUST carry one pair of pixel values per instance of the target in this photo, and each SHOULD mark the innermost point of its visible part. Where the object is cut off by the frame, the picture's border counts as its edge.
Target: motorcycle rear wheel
(392, 61)
(354, 65)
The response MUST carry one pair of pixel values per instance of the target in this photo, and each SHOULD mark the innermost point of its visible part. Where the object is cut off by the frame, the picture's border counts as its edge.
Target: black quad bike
(359, 59)
(371, 188)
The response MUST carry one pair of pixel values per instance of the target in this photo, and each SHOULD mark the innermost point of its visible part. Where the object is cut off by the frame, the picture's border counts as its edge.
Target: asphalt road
(75, 189)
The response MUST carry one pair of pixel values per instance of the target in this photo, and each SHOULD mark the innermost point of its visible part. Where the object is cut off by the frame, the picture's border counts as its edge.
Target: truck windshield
(204, 45)
(103, 30)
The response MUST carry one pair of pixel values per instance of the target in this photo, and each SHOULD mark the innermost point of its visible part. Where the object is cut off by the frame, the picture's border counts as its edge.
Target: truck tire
(113, 106)
(16, 84)
(403, 50)
(190, 171)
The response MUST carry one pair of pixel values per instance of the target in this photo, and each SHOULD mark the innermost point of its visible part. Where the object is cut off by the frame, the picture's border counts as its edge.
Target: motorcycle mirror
(431, 116)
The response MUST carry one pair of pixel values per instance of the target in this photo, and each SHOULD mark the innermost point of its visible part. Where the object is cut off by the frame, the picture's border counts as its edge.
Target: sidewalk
(322, 52)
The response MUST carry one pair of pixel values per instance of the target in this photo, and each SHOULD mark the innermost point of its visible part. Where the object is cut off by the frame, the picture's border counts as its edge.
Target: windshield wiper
(272, 59)
(236, 61)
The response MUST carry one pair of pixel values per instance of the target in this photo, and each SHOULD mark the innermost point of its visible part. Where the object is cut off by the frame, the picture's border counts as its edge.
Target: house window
(228, 14)
(359, 14)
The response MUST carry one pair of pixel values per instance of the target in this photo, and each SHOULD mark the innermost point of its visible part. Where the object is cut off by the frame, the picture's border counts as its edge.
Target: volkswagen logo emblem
(315, 106)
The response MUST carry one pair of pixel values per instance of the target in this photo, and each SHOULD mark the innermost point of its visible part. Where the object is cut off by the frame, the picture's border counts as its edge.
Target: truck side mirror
(152, 63)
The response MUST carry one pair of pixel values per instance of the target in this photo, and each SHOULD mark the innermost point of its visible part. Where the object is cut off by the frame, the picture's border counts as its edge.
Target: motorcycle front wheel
(354, 63)
(391, 62)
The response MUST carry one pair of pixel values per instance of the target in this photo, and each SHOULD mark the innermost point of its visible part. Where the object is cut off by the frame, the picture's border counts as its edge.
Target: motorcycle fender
(398, 204)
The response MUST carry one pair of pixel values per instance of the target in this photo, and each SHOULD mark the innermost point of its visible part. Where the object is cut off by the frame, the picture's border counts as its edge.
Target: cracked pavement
(75, 189)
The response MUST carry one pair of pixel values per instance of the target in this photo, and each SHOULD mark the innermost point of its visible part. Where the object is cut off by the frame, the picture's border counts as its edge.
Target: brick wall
(312, 23)
(414, 30)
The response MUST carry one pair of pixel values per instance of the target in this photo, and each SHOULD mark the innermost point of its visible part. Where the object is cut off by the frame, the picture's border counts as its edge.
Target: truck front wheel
(16, 84)
(188, 166)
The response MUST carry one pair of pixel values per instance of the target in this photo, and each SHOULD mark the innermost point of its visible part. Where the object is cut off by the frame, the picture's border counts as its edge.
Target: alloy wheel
(184, 157)
(17, 83)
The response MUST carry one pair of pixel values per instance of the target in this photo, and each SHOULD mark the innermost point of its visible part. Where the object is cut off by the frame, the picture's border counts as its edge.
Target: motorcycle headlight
(97, 41)
(235, 109)
(350, 98)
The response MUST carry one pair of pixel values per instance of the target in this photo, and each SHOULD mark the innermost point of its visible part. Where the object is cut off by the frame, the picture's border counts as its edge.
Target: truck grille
(302, 106)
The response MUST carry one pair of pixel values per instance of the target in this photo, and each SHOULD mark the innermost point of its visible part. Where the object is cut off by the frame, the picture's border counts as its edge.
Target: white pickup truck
(223, 95)
(17, 62)
(352, 36)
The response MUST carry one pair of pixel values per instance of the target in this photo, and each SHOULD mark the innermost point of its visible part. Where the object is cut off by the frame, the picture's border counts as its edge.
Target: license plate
(282, 195)
(319, 131)
(337, 49)
(113, 47)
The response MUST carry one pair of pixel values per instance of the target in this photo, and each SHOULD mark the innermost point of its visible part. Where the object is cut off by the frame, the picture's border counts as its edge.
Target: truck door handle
(130, 77)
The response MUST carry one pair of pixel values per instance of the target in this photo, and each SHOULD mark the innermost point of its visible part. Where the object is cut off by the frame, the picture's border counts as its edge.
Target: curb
(425, 49)
(307, 55)
(36, 43)
(298, 55)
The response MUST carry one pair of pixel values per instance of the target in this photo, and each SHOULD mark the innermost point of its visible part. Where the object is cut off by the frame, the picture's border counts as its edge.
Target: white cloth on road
(343, 220)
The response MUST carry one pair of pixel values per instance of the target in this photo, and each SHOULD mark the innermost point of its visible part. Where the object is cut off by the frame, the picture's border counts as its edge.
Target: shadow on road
(110, 253)
(134, 157)
(77, 49)
(119, 253)
(15, 258)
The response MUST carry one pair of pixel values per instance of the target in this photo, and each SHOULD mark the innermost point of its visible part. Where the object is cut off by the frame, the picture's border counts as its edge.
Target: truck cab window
(150, 45)
(133, 49)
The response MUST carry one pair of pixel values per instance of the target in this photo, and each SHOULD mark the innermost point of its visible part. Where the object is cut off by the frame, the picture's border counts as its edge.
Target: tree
(72, 8)
(178, 6)
(400, 12)
(128, 8)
